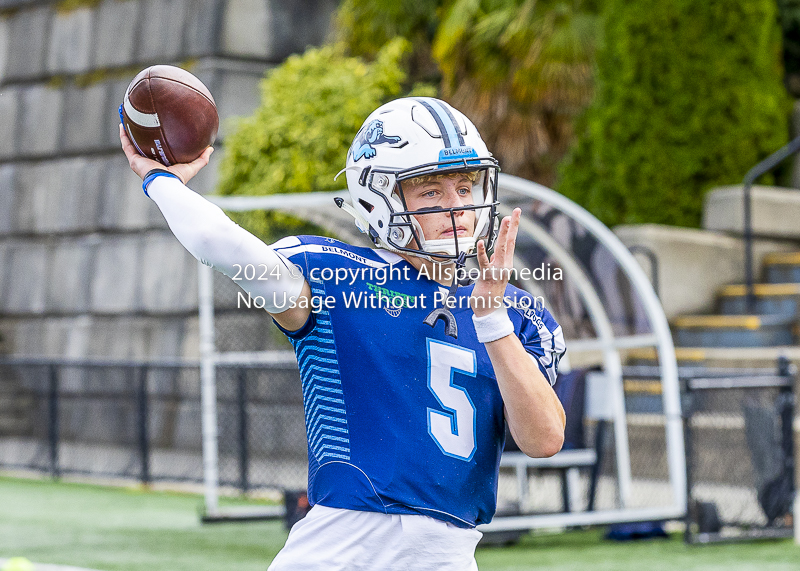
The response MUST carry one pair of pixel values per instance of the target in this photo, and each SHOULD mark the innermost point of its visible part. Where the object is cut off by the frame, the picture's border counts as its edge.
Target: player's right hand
(495, 271)
(142, 165)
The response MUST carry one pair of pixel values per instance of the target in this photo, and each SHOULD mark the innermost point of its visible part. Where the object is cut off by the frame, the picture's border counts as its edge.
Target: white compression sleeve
(217, 241)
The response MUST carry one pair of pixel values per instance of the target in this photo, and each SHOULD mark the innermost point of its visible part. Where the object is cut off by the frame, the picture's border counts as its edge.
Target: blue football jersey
(401, 418)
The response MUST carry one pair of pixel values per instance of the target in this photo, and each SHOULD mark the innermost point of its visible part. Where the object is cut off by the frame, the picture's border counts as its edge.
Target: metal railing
(761, 168)
(653, 259)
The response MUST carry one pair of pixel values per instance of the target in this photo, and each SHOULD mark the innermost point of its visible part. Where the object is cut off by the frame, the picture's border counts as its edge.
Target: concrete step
(20, 403)
(770, 299)
(15, 425)
(782, 267)
(10, 425)
(733, 331)
(15, 409)
(726, 357)
(643, 396)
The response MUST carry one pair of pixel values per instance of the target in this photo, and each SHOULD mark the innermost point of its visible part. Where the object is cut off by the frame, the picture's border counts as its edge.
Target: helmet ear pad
(399, 235)
(375, 207)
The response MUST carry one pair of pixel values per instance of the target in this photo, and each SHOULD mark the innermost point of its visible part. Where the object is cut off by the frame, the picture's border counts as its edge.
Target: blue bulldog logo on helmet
(367, 138)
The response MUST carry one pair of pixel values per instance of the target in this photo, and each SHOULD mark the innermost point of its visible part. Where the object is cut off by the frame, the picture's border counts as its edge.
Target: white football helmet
(408, 138)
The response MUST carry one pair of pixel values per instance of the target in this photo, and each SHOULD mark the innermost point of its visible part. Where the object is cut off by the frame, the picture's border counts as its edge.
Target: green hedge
(297, 140)
(790, 22)
(689, 96)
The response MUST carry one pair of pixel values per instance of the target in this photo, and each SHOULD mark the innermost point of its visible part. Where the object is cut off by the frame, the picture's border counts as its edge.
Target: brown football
(169, 115)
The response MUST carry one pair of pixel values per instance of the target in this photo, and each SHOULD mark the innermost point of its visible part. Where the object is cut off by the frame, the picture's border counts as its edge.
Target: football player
(408, 378)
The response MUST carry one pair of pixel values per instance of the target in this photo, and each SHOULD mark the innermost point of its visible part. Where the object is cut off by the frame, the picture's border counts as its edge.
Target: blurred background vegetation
(633, 108)
(311, 107)
(688, 95)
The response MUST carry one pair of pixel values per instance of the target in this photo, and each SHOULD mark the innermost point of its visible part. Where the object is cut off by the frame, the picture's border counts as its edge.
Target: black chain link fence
(740, 456)
(142, 420)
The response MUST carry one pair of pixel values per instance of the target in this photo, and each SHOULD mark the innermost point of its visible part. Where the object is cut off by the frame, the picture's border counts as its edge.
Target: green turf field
(134, 530)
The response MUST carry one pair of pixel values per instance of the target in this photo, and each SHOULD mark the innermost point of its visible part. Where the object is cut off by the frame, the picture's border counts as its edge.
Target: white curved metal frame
(661, 340)
(606, 342)
(611, 359)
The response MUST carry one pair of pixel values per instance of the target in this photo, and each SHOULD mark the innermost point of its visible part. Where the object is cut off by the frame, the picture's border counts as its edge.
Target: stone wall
(87, 264)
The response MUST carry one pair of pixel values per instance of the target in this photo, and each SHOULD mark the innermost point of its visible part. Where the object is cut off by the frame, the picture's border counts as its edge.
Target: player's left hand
(487, 295)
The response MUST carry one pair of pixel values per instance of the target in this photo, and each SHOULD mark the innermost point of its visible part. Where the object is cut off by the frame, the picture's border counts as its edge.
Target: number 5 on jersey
(452, 430)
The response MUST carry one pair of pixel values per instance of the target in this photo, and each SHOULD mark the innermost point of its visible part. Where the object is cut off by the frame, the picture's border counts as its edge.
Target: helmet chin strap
(448, 245)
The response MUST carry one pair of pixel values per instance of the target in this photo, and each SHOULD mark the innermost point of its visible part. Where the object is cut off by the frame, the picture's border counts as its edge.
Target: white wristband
(494, 326)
